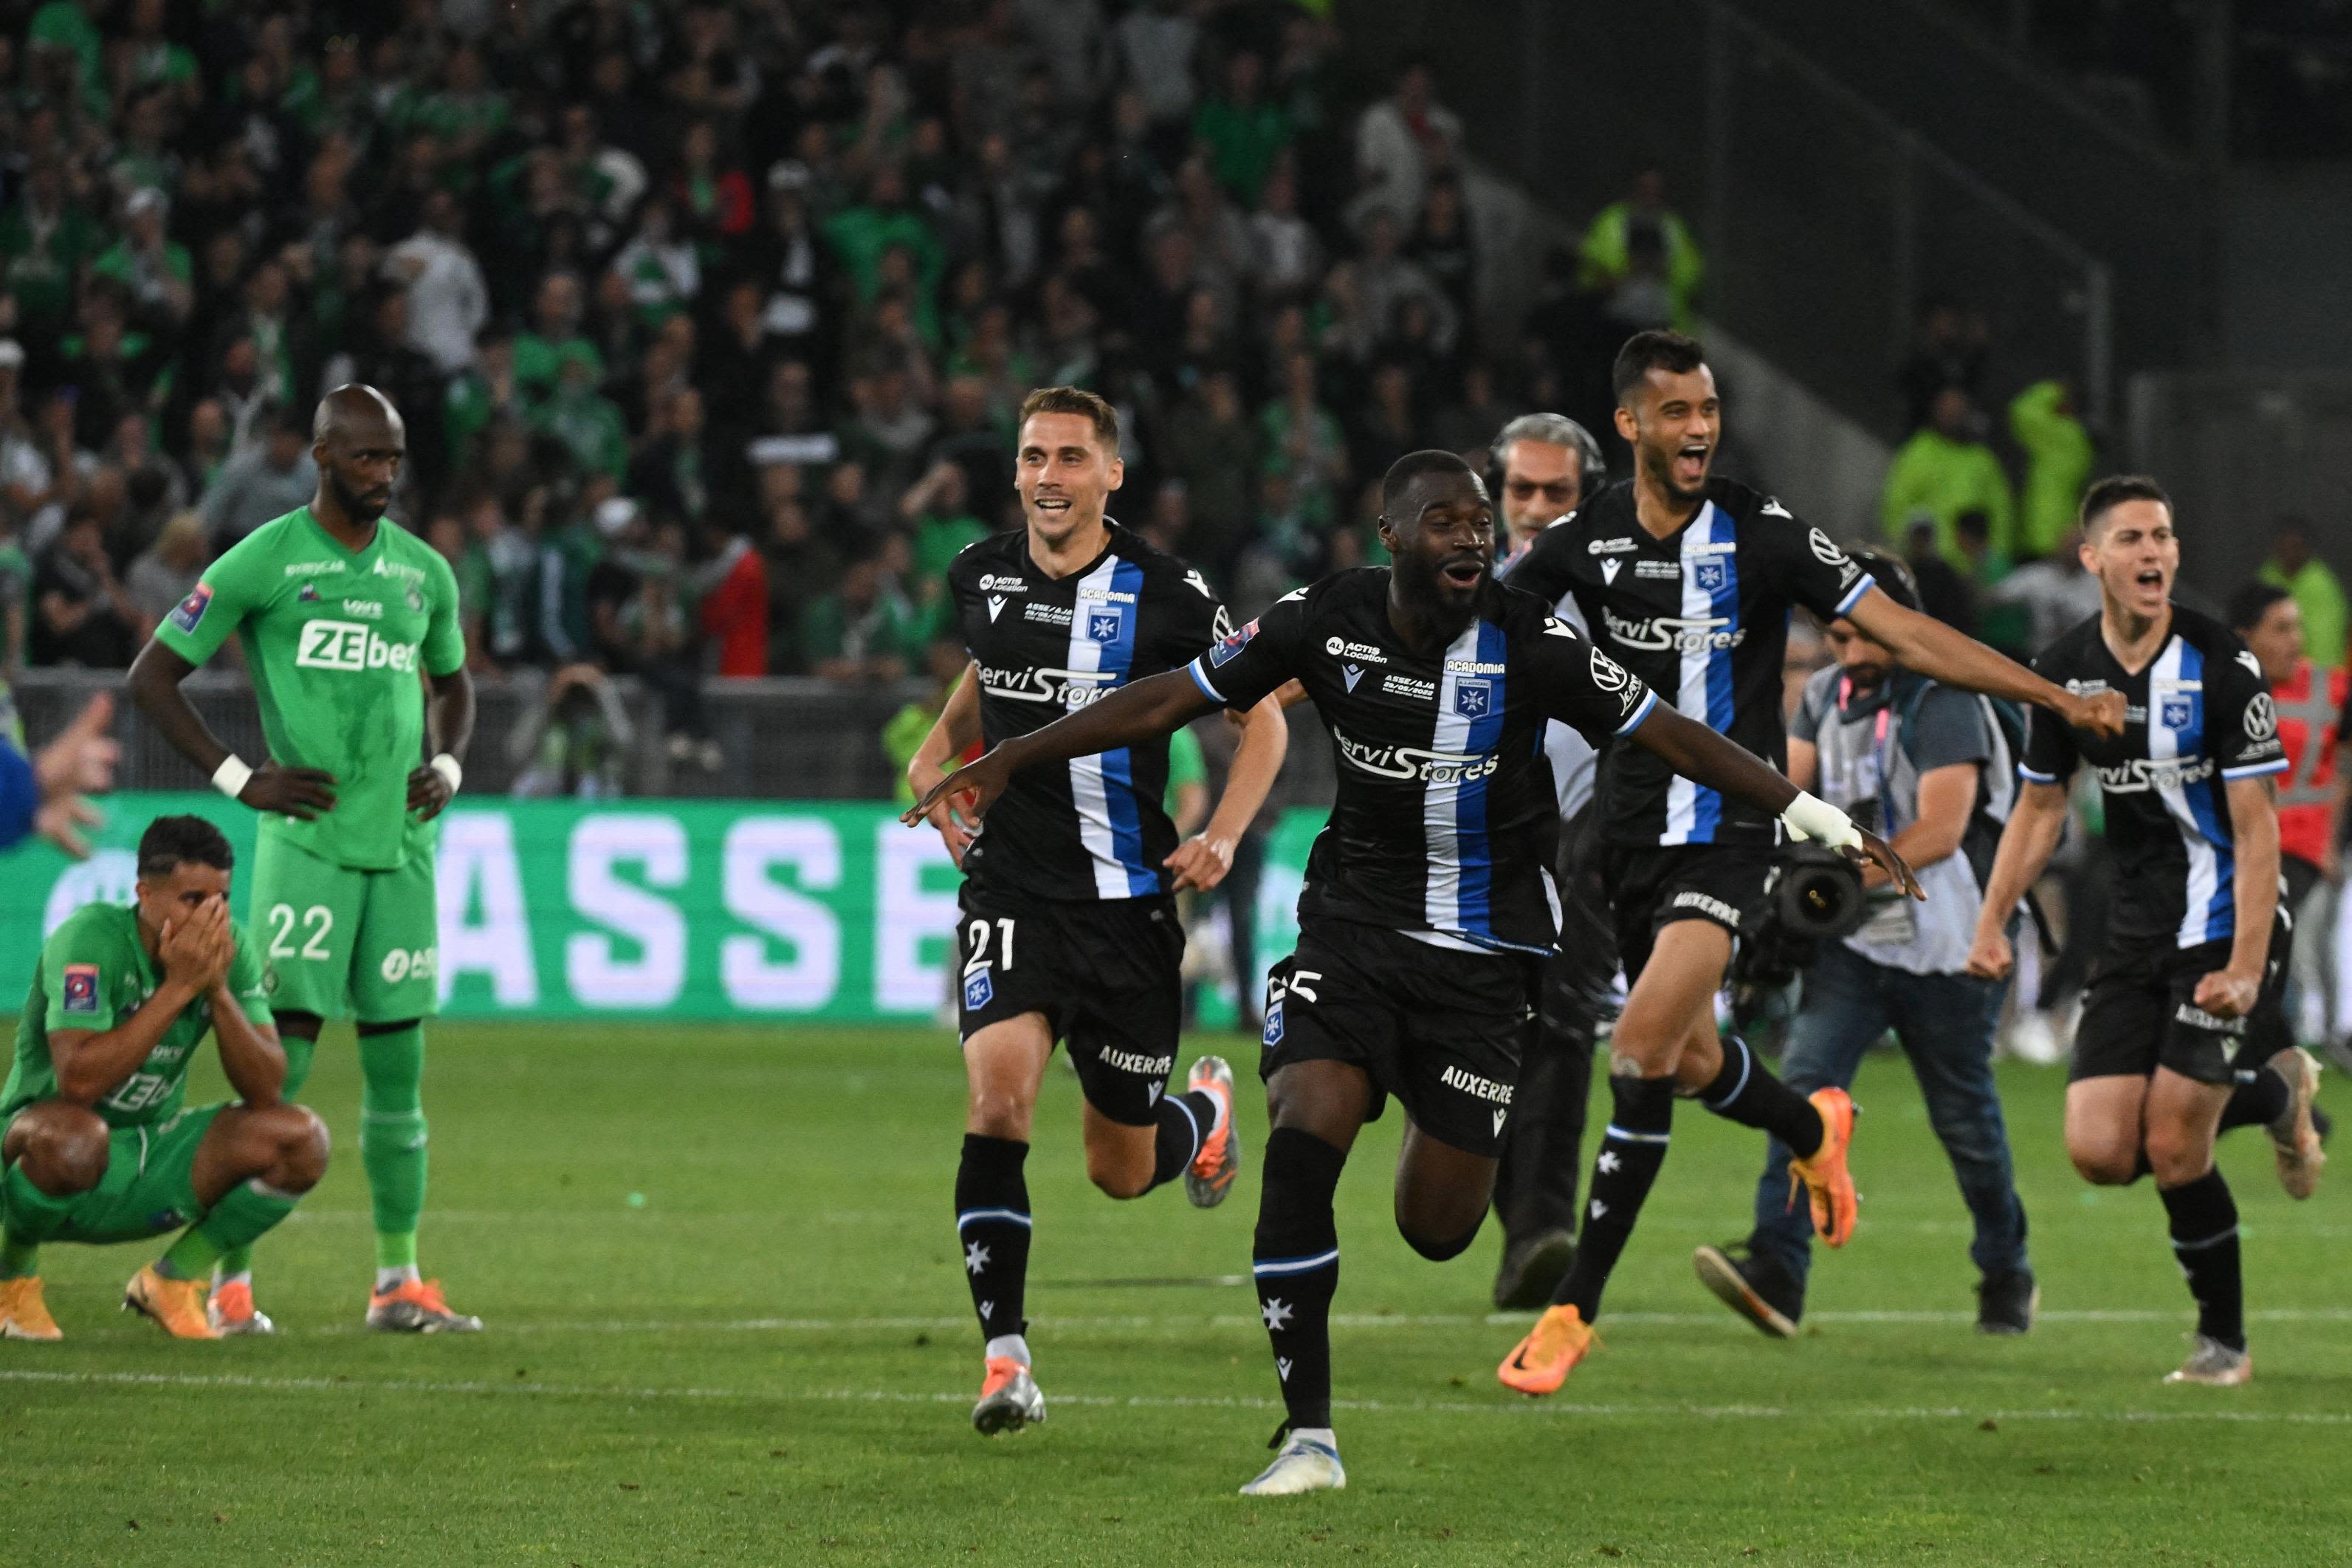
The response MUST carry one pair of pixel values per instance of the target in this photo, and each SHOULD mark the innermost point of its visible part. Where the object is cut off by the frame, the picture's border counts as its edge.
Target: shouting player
(1429, 906)
(1069, 928)
(346, 619)
(95, 1140)
(2196, 943)
(1690, 581)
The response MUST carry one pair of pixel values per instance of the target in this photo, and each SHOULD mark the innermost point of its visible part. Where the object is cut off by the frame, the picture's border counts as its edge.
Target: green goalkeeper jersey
(94, 973)
(334, 640)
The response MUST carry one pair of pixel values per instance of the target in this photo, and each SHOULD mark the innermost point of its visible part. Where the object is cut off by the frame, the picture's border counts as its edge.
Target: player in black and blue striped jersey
(1069, 931)
(2196, 951)
(1429, 906)
(1689, 581)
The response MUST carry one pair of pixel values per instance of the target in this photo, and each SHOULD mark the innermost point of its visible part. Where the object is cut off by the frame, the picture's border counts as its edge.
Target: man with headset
(1542, 467)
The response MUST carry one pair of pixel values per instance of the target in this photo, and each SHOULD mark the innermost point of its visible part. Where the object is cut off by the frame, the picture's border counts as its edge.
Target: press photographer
(1933, 770)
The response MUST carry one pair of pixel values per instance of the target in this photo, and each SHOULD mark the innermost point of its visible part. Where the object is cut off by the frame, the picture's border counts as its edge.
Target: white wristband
(230, 776)
(447, 766)
(1809, 816)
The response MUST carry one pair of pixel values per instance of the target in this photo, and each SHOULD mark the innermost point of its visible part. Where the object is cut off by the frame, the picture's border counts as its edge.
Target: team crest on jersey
(81, 981)
(1273, 1035)
(416, 599)
(1105, 622)
(309, 595)
(2176, 712)
(1474, 699)
(1232, 644)
(979, 989)
(192, 608)
(1713, 575)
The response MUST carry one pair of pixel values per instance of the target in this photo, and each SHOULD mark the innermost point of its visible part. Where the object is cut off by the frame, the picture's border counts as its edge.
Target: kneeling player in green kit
(95, 1143)
(347, 621)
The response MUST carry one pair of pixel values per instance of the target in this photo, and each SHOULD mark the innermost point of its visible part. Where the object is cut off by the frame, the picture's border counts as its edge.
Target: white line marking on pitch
(1550, 1408)
(1338, 1321)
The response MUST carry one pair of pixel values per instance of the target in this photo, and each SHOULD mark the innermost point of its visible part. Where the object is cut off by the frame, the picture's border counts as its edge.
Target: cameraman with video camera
(1933, 769)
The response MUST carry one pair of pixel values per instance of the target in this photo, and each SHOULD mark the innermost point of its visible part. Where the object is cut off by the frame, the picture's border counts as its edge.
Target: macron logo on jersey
(351, 646)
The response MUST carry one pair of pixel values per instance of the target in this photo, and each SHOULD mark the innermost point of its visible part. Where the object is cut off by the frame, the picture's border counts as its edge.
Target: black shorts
(1651, 887)
(1441, 1030)
(1107, 976)
(2139, 1012)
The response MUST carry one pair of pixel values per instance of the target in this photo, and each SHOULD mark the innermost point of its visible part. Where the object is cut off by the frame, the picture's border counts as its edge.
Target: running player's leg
(1004, 1063)
(1124, 1026)
(51, 1153)
(2182, 1116)
(1674, 989)
(1329, 1046)
(1315, 1108)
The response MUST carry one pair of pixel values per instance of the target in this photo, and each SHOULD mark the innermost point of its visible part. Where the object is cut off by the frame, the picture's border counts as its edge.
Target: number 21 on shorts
(979, 980)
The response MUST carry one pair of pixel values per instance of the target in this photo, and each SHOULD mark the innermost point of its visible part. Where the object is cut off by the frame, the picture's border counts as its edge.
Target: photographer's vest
(1866, 770)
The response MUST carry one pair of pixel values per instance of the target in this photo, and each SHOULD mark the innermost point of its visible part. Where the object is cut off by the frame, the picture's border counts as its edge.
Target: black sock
(1746, 1091)
(1295, 1261)
(1632, 1150)
(1185, 1122)
(2204, 1223)
(992, 1226)
(2260, 1099)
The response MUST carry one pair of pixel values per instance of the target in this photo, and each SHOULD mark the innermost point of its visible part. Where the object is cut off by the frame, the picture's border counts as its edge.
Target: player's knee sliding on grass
(340, 611)
(1069, 930)
(95, 1145)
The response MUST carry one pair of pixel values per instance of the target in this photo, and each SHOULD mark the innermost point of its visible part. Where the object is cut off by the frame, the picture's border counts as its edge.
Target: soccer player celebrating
(345, 618)
(2197, 943)
(96, 1143)
(1069, 928)
(1429, 906)
(1690, 581)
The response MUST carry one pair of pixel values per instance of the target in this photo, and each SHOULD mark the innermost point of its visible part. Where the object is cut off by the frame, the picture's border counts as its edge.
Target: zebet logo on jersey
(351, 646)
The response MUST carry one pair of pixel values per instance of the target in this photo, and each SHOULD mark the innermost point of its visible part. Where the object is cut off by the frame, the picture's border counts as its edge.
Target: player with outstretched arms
(97, 1142)
(1428, 908)
(2197, 946)
(1689, 580)
(1069, 928)
(348, 625)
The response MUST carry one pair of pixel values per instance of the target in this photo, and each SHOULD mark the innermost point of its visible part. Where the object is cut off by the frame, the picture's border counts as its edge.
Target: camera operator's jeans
(1945, 1022)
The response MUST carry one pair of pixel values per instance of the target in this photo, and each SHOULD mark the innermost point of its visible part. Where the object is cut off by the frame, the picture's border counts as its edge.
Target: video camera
(1814, 895)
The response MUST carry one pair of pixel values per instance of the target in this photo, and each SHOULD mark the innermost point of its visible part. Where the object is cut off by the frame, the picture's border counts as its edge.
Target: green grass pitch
(726, 1324)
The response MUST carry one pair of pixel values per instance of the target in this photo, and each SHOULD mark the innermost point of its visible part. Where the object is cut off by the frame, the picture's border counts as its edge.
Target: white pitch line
(1552, 1409)
(1172, 1322)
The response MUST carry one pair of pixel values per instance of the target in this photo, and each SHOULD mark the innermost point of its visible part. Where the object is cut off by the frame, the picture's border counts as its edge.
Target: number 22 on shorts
(315, 922)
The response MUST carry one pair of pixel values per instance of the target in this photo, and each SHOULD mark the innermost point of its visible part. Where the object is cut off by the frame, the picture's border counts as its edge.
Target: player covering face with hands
(1428, 906)
(96, 1143)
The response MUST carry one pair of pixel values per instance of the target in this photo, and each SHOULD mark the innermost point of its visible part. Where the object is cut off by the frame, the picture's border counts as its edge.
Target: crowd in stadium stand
(709, 322)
